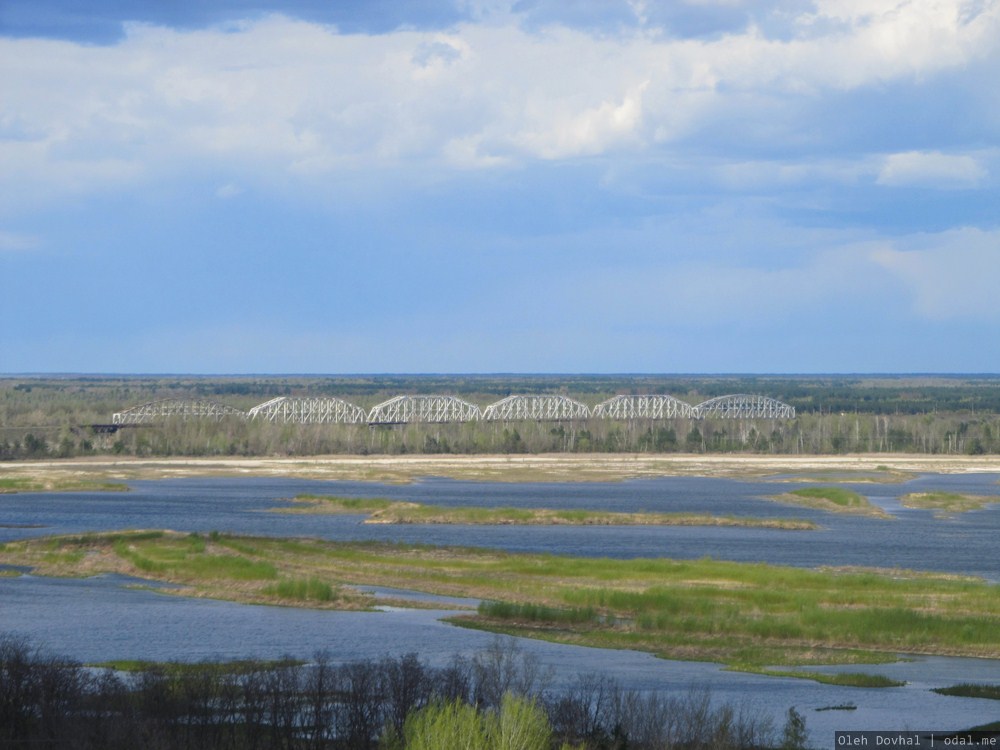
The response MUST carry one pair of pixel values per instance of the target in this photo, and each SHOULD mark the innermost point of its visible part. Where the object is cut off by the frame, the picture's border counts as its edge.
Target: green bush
(519, 724)
(302, 589)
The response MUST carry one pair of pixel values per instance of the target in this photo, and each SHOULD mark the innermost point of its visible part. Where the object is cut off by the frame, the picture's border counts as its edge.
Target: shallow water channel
(103, 618)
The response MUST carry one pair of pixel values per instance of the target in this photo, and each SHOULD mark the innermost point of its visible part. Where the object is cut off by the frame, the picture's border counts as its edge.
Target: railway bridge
(442, 409)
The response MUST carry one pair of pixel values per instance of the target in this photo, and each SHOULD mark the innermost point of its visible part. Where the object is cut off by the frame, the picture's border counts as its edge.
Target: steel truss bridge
(449, 409)
(744, 406)
(407, 409)
(538, 408)
(289, 410)
(643, 407)
(175, 408)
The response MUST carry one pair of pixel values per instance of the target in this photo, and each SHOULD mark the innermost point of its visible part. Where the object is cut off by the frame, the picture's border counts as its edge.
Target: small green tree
(35, 447)
(520, 725)
(795, 735)
(517, 724)
(694, 441)
(445, 726)
(66, 447)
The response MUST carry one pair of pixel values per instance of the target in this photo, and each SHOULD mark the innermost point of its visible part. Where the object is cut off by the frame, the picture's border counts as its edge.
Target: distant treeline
(498, 699)
(50, 417)
(100, 396)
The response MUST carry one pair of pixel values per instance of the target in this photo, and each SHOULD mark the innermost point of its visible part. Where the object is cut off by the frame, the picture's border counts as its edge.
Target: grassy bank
(968, 690)
(215, 566)
(13, 484)
(834, 500)
(745, 615)
(880, 474)
(947, 503)
(185, 669)
(385, 511)
(843, 679)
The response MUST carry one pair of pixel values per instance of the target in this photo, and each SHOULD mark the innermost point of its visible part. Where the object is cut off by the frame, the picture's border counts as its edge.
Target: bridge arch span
(539, 408)
(744, 406)
(433, 409)
(176, 408)
(643, 407)
(306, 410)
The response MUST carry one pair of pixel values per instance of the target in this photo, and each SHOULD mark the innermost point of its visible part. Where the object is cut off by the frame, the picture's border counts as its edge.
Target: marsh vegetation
(383, 511)
(968, 690)
(947, 503)
(744, 615)
(55, 483)
(833, 499)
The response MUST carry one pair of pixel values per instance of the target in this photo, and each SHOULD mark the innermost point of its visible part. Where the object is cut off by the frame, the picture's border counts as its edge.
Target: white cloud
(755, 175)
(280, 96)
(951, 275)
(931, 169)
(229, 190)
(926, 169)
(591, 131)
(846, 45)
(469, 152)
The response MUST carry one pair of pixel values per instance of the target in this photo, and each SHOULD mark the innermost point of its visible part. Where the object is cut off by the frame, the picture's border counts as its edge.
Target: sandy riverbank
(533, 468)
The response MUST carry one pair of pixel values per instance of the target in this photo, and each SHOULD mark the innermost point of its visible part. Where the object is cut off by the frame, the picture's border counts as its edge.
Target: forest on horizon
(53, 415)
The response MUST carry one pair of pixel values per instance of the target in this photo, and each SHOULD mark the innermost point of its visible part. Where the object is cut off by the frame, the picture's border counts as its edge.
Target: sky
(546, 186)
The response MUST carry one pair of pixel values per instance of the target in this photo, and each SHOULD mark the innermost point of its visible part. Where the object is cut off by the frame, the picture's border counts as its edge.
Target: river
(104, 617)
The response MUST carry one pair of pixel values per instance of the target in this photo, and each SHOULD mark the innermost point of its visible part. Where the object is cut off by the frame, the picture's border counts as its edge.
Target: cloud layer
(693, 170)
(296, 96)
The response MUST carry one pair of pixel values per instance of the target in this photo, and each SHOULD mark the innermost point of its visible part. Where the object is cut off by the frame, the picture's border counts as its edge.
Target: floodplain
(748, 616)
(832, 626)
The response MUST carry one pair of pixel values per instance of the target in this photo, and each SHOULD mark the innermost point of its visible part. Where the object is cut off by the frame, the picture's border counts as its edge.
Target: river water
(103, 618)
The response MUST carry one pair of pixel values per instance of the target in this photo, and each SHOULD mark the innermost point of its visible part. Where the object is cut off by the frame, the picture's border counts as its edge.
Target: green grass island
(385, 511)
(947, 504)
(833, 500)
(748, 616)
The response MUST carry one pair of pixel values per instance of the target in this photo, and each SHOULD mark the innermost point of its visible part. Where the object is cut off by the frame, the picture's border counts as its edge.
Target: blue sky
(490, 186)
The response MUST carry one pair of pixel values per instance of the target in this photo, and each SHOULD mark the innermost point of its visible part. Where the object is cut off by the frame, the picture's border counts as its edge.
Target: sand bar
(520, 468)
